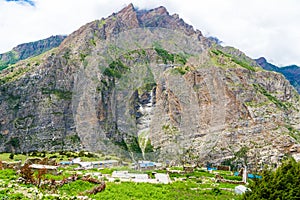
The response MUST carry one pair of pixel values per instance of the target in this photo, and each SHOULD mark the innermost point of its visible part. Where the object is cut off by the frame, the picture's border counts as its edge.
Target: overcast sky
(269, 28)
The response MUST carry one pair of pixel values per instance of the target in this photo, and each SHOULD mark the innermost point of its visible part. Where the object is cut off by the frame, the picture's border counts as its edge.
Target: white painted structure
(126, 175)
(240, 189)
(163, 178)
(245, 174)
(141, 178)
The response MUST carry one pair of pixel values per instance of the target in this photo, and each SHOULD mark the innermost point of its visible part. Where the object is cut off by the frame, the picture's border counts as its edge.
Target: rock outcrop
(146, 84)
(291, 73)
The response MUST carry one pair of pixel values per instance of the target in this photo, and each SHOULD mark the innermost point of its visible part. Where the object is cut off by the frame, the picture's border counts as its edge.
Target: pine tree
(284, 183)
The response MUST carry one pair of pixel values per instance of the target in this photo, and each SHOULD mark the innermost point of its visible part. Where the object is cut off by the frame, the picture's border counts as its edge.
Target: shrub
(165, 55)
(14, 142)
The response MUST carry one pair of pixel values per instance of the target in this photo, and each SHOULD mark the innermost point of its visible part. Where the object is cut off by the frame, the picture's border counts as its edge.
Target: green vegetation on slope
(232, 58)
(61, 94)
(11, 58)
(272, 98)
(15, 73)
(165, 55)
(170, 57)
(294, 133)
(181, 70)
(116, 69)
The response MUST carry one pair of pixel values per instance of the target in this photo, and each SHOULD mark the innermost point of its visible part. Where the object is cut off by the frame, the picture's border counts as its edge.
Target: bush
(117, 180)
(216, 191)
(11, 156)
(54, 156)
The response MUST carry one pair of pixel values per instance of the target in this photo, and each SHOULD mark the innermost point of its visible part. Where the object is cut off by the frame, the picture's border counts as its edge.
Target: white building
(96, 164)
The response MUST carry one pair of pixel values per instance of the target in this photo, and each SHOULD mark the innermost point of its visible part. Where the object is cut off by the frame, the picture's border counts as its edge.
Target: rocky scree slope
(144, 84)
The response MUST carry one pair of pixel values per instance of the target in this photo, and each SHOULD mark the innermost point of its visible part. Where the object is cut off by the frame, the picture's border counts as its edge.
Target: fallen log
(97, 189)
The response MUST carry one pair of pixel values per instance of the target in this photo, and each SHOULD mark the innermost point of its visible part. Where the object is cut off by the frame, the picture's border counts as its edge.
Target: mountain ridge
(26, 50)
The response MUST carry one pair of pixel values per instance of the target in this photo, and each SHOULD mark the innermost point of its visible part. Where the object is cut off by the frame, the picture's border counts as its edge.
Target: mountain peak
(160, 10)
(130, 17)
(127, 16)
(261, 60)
(128, 9)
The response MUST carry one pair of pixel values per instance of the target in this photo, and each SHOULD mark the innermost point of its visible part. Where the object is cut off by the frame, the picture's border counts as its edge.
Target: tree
(27, 174)
(40, 176)
(283, 183)
(241, 155)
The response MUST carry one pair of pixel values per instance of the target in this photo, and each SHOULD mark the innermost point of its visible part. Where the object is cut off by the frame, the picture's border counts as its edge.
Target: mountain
(27, 50)
(143, 84)
(291, 73)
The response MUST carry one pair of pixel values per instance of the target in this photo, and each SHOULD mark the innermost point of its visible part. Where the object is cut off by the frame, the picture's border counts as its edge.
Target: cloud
(268, 28)
(259, 28)
(23, 2)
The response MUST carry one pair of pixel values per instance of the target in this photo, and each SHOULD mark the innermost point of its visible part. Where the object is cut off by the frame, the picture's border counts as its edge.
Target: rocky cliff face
(144, 84)
(291, 73)
(27, 50)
